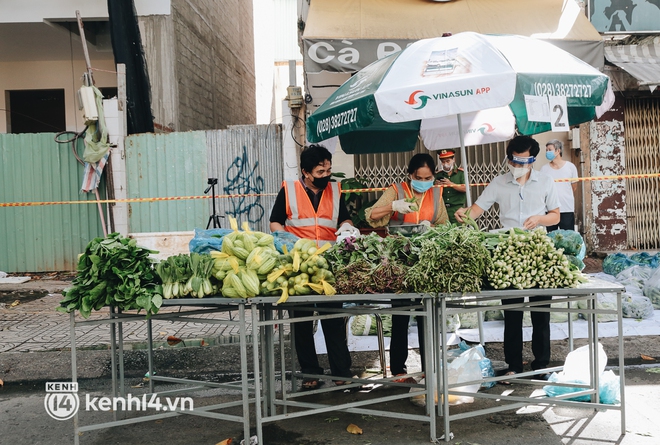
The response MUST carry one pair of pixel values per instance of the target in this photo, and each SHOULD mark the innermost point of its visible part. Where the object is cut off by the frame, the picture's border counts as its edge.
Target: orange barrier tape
(364, 190)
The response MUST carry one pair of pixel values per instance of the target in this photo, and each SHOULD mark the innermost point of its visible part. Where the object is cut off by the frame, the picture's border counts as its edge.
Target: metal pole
(150, 348)
(468, 193)
(89, 81)
(88, 63)
(74, 371)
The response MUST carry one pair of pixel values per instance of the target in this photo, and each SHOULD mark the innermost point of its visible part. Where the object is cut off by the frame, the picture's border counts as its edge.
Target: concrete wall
(158, 41)
(606, 207)
(214, 63)
(54, 74)
(30, 11)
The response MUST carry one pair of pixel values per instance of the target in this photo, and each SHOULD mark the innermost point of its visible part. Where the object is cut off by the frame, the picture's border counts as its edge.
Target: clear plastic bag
(614, 263)
(636, 306)
(646, 259)
(635, 276)
(467, 367)
(365, 324)
(652, 289)
(569, 240)
(603, 301)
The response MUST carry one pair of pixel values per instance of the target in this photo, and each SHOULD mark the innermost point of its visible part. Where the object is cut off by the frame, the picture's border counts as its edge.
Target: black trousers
(399, 339)
(334, 332)
(513, 336)
(566, 222)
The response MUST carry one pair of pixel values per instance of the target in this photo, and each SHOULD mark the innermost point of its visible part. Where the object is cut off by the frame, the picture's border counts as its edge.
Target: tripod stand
(214, 217)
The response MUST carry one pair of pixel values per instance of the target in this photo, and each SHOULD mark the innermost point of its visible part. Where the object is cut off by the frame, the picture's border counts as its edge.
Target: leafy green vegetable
(370, 264)
(450, 258)
(114, 271)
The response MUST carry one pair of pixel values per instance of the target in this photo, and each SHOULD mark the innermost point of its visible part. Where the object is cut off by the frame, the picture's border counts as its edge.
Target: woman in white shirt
(558, 168)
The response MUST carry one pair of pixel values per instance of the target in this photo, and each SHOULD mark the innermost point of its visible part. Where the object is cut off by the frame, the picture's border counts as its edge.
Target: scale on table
(407, 229)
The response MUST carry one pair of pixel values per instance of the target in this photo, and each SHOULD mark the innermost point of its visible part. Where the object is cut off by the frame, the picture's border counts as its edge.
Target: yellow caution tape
(248, 195)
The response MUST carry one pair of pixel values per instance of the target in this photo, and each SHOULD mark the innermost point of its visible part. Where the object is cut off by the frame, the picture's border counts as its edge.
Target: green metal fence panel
(34, 168)
(167, 165)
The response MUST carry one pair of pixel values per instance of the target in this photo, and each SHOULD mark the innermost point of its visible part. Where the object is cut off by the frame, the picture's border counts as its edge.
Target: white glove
(402, 206)
(346, 230)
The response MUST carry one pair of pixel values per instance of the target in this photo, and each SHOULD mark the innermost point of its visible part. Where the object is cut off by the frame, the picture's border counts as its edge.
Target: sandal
(311, 384)
(504, 382)
(408, 380)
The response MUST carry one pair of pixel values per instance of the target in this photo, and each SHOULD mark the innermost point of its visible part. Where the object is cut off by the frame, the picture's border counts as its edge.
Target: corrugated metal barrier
(34, 168)
(247, 160)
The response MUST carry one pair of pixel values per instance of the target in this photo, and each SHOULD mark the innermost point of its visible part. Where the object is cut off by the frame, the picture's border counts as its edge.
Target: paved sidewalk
(35, 325)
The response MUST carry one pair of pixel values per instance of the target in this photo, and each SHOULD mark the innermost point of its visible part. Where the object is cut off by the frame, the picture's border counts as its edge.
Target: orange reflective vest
(428, 208)
(303, 221)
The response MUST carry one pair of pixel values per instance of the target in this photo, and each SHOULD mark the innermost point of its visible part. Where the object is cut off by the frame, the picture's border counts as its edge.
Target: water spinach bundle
(449, 258)
(113, 271)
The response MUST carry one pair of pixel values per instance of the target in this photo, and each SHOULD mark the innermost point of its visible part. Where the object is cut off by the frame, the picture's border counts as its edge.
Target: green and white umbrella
(497, 84)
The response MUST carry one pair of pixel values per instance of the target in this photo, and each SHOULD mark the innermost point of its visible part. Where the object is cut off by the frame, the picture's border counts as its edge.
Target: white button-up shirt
(518, 202)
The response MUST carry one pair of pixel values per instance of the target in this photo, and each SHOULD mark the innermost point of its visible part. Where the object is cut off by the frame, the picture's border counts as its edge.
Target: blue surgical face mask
(421, 186)
(550, 155)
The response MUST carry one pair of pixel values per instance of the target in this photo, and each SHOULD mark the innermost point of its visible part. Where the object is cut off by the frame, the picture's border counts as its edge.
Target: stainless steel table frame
(456, 303)
(269, 396)
(199, 307)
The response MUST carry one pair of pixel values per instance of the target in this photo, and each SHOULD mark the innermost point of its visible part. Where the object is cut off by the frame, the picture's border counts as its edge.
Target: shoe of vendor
(310, 384)
(409, 380)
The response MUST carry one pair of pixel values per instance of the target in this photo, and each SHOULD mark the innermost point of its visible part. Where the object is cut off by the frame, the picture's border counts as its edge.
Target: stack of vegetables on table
(447, 258)
(249, 265)
(113, 271)
(527, 259)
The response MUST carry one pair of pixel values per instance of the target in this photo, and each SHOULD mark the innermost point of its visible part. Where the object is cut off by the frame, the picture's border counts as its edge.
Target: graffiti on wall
(242, 178)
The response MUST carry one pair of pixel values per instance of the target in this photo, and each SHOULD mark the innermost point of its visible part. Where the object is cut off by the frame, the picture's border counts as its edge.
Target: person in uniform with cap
(452, 177)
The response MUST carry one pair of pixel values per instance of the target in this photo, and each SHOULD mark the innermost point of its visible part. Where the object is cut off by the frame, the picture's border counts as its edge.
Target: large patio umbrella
(499, 83)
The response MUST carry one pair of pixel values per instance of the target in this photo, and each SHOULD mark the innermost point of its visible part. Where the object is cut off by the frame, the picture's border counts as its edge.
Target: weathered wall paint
(606, 225)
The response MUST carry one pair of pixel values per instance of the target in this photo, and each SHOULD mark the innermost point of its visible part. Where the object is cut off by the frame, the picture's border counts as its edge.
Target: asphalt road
(25, 421)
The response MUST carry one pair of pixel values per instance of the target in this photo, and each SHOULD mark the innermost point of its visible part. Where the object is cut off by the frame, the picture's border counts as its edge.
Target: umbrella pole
(464, 163)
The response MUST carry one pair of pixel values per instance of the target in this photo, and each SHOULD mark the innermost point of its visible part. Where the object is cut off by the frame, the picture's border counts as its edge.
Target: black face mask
(321, 183)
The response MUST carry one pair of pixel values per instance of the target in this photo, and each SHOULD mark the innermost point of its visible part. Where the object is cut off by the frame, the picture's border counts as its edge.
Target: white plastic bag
(576, 366)
(576, 370)
(464, 368)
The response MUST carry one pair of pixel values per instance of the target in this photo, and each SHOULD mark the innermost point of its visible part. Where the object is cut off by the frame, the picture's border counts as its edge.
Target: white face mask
(518, 172)
(447, 167)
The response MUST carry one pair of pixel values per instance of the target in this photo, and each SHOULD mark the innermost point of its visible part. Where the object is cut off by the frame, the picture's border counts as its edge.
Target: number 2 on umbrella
(558, 115)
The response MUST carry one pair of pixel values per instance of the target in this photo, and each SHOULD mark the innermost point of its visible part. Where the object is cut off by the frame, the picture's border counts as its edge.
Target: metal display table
(197, 308)
(274, 402)
(272, 399)
(456, 303)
